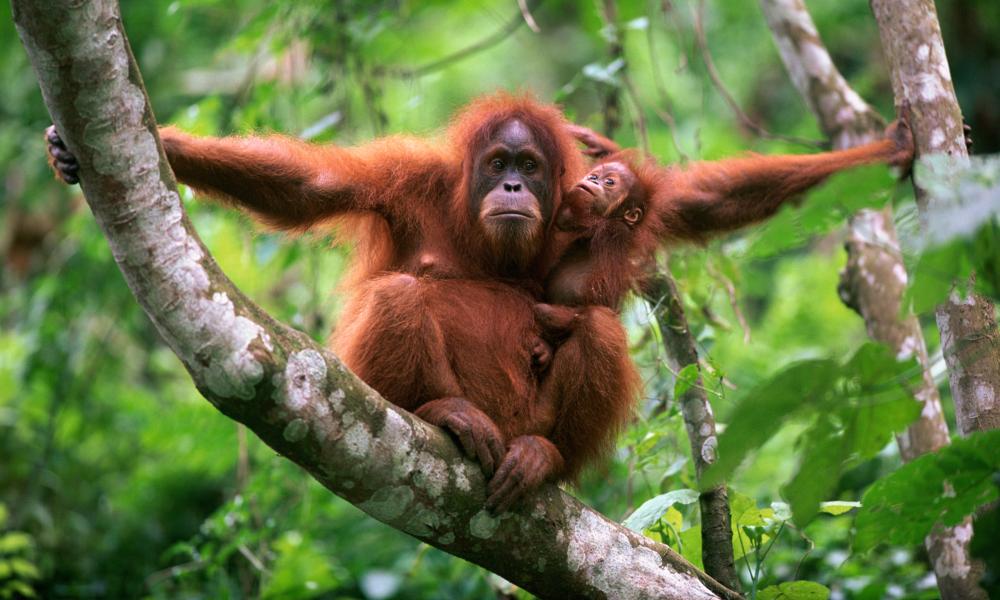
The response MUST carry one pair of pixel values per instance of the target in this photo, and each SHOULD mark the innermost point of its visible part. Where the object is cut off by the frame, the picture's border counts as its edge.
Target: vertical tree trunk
(699, 421)
(911, 40)
(874, 279)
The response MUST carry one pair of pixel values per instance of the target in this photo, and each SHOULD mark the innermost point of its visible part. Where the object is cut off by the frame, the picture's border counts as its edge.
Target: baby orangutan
(602, 238)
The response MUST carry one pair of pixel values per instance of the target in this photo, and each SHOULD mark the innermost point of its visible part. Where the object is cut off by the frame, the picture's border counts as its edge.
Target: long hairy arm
(290, 184)
(710, 197)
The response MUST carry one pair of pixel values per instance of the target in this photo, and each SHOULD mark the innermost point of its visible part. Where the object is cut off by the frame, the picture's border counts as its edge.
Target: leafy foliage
(853, 410)
(941, 487)
(654, 508)
(18, 572)
(963, 230)
(127, 484)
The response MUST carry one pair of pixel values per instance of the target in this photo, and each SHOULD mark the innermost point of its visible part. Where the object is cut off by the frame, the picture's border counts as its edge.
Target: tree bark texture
(298, 397)
(874, 280)
(661, 292)
(911, 41)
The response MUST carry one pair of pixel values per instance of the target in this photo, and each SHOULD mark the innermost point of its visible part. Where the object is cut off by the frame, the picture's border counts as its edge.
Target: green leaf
(819, 470)
(838, 507)
(301, 570)
(687, 377)
(673, 519)
(782, 232)
(15, 541)
(943, 486)
(691, 546)
(744, 513)
(795, 590)
(761, 413)
(651, 510)
(24, 568)
(873, 404)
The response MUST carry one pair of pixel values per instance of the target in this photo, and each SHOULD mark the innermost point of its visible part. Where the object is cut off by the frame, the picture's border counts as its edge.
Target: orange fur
(432, 311)
(435, 312)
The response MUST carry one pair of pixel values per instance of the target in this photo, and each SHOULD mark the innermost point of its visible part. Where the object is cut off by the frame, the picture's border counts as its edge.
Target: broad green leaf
(782, 232)
(829, 206)
(795, 590)
(651, 510)
(691, 545)
(943, 486)
(761, 412)
(874, 406)
(819, 470)
(674, 519)
(950, 263)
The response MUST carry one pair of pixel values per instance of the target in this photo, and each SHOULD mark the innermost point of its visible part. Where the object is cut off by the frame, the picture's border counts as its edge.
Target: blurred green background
(120, 481)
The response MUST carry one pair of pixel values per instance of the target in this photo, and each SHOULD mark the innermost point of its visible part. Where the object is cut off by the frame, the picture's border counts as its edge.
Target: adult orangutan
(439, 316)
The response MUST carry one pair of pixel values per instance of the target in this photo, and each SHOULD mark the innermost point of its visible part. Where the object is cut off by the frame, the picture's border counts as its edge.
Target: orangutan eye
(529, 166)
(609, 182)
(633, 215)
(591, 177)
(497, 164)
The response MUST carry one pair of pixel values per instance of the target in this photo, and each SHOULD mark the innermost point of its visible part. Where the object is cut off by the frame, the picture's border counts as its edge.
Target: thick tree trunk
(874, 280)
(297, 397)
(911, 40)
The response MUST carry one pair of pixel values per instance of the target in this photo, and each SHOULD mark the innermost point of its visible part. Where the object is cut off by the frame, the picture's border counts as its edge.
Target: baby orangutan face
(608, 186)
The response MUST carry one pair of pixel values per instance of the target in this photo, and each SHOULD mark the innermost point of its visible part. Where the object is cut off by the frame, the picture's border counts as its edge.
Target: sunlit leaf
(14, 541)
(838, 507)
(651, 510)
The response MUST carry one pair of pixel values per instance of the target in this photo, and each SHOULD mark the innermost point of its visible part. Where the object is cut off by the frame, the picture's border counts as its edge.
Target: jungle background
(118, 480)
